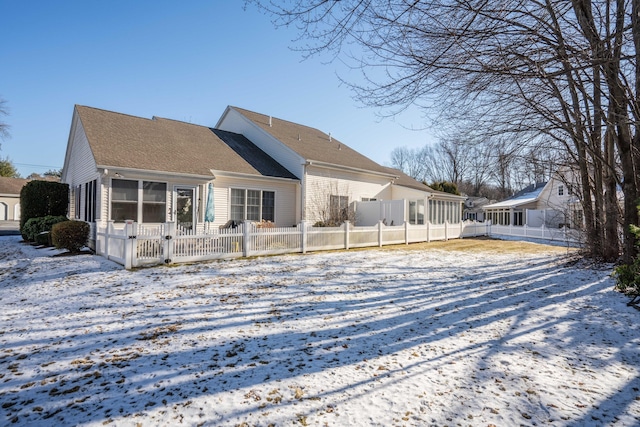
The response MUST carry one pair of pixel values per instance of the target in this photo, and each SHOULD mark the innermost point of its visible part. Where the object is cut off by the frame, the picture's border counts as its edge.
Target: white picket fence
(133, 245)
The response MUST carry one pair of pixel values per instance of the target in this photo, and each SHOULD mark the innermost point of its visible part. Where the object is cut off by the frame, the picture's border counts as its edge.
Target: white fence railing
(134, 245)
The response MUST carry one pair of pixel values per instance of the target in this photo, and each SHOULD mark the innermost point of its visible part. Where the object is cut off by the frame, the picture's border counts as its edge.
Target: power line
(37, 166)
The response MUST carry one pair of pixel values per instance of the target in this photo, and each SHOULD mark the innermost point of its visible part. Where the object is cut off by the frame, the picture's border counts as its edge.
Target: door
(185, 208)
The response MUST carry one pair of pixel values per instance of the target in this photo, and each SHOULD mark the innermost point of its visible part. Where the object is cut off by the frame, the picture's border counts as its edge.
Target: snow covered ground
(357, 338)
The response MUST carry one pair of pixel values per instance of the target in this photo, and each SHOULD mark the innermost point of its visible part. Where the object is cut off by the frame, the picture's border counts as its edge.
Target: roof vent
(329, 136)
(270, 121)
(299, 137)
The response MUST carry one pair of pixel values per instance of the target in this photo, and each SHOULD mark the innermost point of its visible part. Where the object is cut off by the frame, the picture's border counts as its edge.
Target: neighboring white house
(10, 198)
(553, 204)
(121, 167)
(473, 208)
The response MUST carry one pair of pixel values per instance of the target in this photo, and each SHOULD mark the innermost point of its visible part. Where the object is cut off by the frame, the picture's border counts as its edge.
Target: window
(369, 199)
(90, 201)
(269, 206)
(518, 218)
(416, 211)
(339, 208)
(560, 190)
(124, 200)
(77, 199)
(126, 195)
(237, 204)
(252, 205)
(154, 201)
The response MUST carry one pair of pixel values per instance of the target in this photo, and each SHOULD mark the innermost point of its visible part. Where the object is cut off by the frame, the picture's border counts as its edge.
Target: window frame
(139, 201)
(262, 211)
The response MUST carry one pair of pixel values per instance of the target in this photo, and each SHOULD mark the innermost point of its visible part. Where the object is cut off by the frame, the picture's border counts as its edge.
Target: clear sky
(183, 60)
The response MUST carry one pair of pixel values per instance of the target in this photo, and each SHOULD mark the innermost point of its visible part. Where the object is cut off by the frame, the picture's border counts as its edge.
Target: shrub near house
(41, 199)
(38, 229)
(70, 235)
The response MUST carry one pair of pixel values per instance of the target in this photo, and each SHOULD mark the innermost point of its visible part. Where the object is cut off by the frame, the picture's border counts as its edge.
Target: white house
(552, 204)
(121, 167)
(334, 177)
(10, 198)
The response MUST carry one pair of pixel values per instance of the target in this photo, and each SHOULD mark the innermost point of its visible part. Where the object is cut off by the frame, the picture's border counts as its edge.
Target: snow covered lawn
(375, 337)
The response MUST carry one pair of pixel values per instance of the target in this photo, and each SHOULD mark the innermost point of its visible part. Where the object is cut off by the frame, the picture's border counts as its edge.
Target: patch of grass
(482, 245)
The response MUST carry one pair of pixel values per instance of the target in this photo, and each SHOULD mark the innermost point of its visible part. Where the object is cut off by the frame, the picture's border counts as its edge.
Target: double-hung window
(252, 205)
(339, 208)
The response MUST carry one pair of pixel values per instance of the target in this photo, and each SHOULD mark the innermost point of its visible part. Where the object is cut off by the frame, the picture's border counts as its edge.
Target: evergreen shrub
(70, 235)
(41, 199)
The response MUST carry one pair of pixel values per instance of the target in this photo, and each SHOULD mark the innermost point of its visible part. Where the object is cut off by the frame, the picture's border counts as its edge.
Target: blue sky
(180, 60)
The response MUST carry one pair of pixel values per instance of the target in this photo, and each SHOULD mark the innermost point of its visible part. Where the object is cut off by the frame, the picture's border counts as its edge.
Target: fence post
(303, 225)
(346, 234)
(246, 236)
(488, 230)
(108, 230)
(169, 242)
(446, 231)
(128, 244)
(406, 232)
(380, 233)
(428, 231)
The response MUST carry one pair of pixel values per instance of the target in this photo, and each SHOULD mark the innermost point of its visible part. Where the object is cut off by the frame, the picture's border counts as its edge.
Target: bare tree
(4, 128)
(510, 69)
(411, 161)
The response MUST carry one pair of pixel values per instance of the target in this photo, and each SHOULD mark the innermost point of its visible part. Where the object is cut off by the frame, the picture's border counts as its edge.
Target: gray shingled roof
(312, 144)
(164, 145)
(11, 185)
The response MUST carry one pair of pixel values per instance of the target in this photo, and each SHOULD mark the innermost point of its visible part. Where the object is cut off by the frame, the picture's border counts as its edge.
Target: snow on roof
(528, 195)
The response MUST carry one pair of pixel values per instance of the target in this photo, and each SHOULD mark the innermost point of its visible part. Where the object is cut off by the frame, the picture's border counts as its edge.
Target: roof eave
(349, 168)
(112, 170)
(240, 175)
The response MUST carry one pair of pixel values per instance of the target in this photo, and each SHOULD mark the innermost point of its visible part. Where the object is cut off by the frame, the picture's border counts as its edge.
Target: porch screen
(124, 200)
(154, 201)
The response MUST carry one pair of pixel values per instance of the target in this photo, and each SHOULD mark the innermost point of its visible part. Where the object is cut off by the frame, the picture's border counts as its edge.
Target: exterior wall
(236, 122)
(398, 193)
(9, 207)
(285, 193)
(550, 197)
(321, 183)
(171, 183)
(80, 169)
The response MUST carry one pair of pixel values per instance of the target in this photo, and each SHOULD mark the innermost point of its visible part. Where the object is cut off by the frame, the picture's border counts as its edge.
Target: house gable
(297, 144)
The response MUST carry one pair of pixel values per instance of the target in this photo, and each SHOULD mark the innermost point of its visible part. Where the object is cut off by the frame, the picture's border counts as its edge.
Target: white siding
(285, 193)
(82, 165)
(233, 121)
(81, 168)
(398, 193)
(322, 183)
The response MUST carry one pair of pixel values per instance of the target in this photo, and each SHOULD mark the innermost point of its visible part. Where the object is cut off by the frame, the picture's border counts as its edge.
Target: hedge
(34, 227)
(41, 199)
